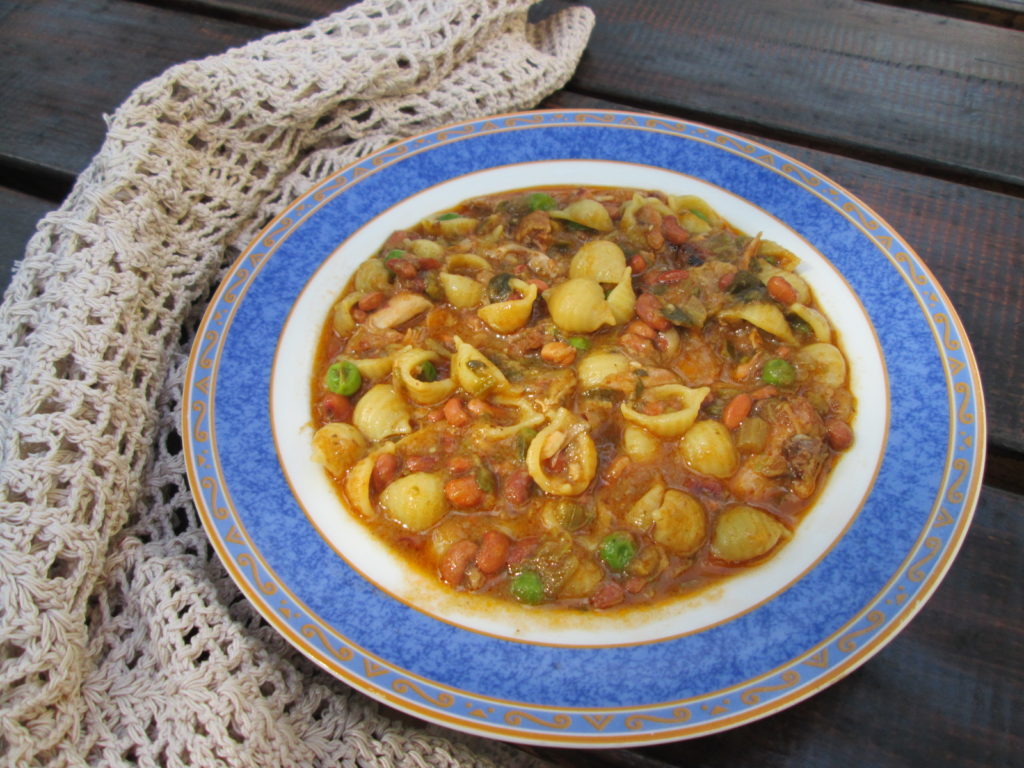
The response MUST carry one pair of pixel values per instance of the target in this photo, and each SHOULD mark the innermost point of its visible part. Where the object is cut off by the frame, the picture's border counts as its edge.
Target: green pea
(428, 371)
(617, 550)
(343, 378)
(538, 201)
(778, 372)
(447, 216)
(580, 343)
(528, 587)
(394, 253)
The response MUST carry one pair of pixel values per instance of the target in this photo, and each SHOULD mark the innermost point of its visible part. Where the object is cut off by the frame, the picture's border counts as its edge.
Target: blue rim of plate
(862, 592)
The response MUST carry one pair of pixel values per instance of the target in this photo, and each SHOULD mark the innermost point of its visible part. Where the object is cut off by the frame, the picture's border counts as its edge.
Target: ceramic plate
(873, 548)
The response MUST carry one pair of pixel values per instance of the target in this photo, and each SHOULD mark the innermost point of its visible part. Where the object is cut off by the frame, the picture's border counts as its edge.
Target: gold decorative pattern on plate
(208, 484)
(847, 643)
(246, 560)
(283, 224)
(312, 630)
(231, 296)
(638, 722)
(753, 695)
(516, 717)
(402, 685)
(933, 544)
(954, 496)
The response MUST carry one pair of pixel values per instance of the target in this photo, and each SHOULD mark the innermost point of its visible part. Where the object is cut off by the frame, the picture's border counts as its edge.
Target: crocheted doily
(122, 639)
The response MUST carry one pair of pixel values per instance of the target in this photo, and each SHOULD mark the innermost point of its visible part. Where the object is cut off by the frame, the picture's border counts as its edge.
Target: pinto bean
(463, 492)
(838, 434)
(521, 550)
(428, 263)
(371, 301)
(780, 290)
(479, 407)
(648, 309)
(674, 233)
(638, 345)
(336, 407)
(517, 487)
(637, 263)
(456, 560)
(608, 594)
(422, 463)
(384, 470)
(455, 414)
(493, 552)
(737, 410)
(558, 353)
(402, 267)
(640, 328)
(459, 464)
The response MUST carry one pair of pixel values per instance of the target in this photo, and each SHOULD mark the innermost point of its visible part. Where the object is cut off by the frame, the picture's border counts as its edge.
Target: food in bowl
(584, 397)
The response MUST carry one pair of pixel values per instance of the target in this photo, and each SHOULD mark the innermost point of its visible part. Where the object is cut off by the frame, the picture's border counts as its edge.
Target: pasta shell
(629, 211)
(673, 423)
(406, 366)
(598, 367)
(680, 523)
(528, 419)
(416, 500)
(461, 291)
(509, 316)
(372, 276)
(823, 363)
(697, 208)
(460, 226)
(338, 446)
(373, 368)
(639, 515)
(707, 448)
(342, 315)
(639, 444)
(578, 306)
(744, 533)
(400, 308)
(622, 300)
(819, 325)
(570, 435)
(381, 412)
(357, 482)
(426, 249)
(468, 262)
(589, 213)
(472, 371)
(763, 315)
(600, 260)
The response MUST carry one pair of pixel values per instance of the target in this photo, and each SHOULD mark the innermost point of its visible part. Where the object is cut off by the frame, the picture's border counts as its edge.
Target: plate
(864, 561)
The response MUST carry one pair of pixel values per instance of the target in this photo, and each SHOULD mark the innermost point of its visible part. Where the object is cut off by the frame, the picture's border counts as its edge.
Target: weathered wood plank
(904, 86)
(20, 214)
(967, 237)
(272, 14)
(79, 59)
(943, 693)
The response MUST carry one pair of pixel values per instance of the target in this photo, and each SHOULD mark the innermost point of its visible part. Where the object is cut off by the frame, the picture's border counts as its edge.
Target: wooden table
(916, 107)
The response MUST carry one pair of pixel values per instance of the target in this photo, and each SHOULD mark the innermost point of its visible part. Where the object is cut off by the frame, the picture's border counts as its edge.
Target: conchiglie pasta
(598, 367)
(528, 419)
(381, 412)
(474, 372)
(338, 446)
(588, 213)
(342, 314)
(416, 501)
(707, 448)
(763, 315)
(622, 299)
(571, 435)
(406, 367)
(684, 406)
(817, 322)
(639, 444)
(461, 291)
(578, 306)
(357, 482)
(823, 363)
(373, 368)
(511, 315)
(745, 533)
(372, 276)
(600, 260)
(629, 211)
(680, 522)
